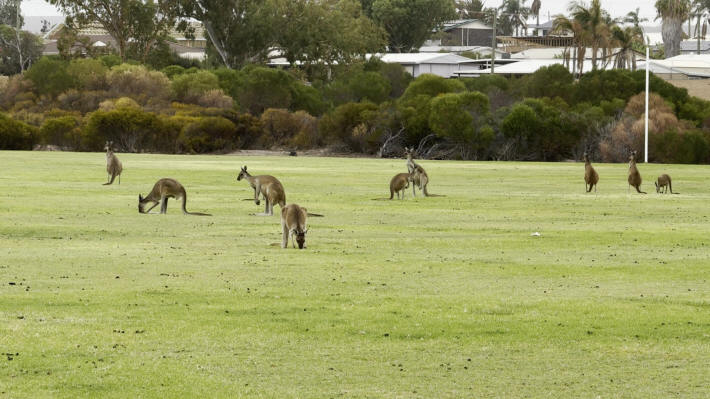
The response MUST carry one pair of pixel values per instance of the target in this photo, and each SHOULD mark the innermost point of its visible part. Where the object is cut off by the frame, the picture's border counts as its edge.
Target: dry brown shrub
(138, 83)
(629, 132)
(215, 99)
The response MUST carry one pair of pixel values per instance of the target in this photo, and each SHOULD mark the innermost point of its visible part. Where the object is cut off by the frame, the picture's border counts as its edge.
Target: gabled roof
(524, 67)
(465, 23)
(697, 65)
(421, 58)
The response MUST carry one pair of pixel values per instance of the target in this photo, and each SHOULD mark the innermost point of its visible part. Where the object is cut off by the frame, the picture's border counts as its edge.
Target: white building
(441, 64)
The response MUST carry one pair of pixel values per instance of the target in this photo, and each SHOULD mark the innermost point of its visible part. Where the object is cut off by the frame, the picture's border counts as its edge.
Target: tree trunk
(217, 44)
(672, 33)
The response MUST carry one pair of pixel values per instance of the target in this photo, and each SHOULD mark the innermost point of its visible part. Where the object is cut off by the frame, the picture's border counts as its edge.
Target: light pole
(648, 61)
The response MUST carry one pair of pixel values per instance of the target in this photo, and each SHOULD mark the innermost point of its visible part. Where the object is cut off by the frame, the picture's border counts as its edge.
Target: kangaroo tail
(391, 193)
(426, 193)
(184, 204)
(316, 215)
(113, 177)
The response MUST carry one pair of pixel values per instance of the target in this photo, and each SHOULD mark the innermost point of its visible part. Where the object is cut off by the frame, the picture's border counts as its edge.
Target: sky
(616, 8)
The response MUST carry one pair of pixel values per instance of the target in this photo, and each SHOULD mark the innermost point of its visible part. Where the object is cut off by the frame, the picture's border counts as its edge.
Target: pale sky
(616, 8)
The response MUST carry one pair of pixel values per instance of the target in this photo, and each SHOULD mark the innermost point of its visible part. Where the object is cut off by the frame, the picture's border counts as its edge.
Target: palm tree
(535, 10)
(626, 39)
(515, 15)
(635, 19)
(673, 13)
(579, 38)
(597, 24)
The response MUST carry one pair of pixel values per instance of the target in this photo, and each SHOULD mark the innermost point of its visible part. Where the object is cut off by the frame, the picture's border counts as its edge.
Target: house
(190, 48)
(480, 51)
(525, 67)
(464, 32)
(441, 64)
(688, 71)
(691, 47)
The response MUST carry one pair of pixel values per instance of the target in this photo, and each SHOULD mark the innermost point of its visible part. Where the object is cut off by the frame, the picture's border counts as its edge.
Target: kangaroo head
(300, 237)
(242, 173)
(108, 146)
(141, 202)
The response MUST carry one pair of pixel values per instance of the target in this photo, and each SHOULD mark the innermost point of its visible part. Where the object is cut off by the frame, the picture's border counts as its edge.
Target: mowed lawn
(443, 297)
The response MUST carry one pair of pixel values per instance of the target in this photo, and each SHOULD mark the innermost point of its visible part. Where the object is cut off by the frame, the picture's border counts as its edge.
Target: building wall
(696, 87)
(471, 37)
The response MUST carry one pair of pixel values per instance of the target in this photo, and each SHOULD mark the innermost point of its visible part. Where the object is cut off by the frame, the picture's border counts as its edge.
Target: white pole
(646, 117)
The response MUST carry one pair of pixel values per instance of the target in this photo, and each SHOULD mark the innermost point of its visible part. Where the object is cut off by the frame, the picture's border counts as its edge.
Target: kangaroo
(269, 187)
(162, 190)
(419, 176)
(634, 175)
(591, 177)
(113, 165)
(663, 183)
(293, 224)
(399, 183)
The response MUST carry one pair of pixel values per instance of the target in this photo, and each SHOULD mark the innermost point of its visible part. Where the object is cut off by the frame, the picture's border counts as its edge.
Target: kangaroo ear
(140, 198)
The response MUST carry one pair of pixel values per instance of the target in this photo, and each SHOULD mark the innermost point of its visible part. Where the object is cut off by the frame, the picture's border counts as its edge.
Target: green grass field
(445, 297)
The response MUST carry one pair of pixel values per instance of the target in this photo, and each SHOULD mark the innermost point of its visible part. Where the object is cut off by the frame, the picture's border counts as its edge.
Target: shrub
(50, 77)
(432, 85)
(131, 129)
(215, 98)
(306, 98)
(550, 81)
(172, 70)
(62, 131)
(345, 124)
(462, 118)
(16, 135)
(208, 135)
(88, 74)
(82, 101)
(264, 88)
(189, 87)
(138, 83)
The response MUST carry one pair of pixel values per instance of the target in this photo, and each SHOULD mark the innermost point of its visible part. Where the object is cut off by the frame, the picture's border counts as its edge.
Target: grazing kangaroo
(399, 183)
(591, 177)
(634, 175)
(269, 187)
(293, 224)
(162, 190)
(419, 176)
(113, 165)
(663, 183)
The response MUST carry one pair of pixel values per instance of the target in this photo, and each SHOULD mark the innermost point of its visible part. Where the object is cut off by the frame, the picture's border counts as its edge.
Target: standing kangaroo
(419, 176)
(634, 175)
(591, 177)
(663, 183)
(399, 183)
(113, 165)
(269, 187)
(294, 225)
(162, 190)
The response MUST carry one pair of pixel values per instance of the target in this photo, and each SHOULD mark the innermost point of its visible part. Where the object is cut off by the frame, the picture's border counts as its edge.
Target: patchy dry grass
(434, 297)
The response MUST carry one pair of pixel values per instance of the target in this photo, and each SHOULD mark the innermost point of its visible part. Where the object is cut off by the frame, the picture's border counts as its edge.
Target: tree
(409, 23)
(673, 13)
(10, 13)
(18, 50)
(469, 8)
(462, 118)
(241, 31)
(513, 16)
(135, 24)
(626, 40)
(325, 33)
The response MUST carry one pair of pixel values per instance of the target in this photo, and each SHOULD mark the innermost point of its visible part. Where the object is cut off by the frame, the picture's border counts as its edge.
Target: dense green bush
(208, 135)
(347, 123)
(16, 135)
(550, 81)
(432, 85)
(50, 77)
(63, 131)
(189, 87)
(131, 129)
(463, 119)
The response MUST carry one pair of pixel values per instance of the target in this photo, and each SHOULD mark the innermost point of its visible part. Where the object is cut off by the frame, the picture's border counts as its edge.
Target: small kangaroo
(591, 177)
(419, 176)
(294, 225)
(663, 183)
(399, 183)
(162, 190)
(269, 187)
(634, 175)
(113, 165)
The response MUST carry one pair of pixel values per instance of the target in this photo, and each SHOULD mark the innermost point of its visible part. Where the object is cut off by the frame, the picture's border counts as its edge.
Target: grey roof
(692, 45)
